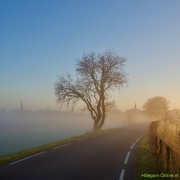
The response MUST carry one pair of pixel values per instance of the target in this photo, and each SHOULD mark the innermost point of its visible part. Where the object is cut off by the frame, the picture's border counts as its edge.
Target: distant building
(21, 107)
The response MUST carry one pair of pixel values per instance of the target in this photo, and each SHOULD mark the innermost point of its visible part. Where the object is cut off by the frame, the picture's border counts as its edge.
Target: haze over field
(22, 129)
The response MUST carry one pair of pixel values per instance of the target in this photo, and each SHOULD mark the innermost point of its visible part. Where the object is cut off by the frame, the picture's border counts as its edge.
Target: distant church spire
(21, 107)
(135, 106)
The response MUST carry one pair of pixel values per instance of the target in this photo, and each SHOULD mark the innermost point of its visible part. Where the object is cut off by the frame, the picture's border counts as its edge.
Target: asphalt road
(111, 156)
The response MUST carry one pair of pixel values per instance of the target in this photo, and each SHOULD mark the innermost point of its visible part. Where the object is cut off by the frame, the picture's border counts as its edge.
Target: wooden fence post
(160, 149)
(168, 156)
(156, 142)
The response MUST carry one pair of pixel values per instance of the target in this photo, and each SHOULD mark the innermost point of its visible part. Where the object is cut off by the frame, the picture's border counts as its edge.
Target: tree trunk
(96, 126)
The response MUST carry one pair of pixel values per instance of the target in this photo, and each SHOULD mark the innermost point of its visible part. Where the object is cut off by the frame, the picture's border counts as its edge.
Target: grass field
(22, 154)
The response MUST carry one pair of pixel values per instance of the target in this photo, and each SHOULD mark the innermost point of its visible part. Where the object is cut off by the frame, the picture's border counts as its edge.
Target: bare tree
(97, 75)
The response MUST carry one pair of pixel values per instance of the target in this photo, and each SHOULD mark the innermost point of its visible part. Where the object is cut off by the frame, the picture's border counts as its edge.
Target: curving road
(111, 156)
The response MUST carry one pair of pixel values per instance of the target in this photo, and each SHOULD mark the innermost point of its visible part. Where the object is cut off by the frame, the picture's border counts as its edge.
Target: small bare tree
(97, 75)
(129, 117)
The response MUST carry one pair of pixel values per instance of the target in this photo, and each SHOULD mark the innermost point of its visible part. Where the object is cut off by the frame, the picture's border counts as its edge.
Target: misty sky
(40, 40)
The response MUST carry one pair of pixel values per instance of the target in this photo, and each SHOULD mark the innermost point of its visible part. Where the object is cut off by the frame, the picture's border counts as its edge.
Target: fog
(23, 129)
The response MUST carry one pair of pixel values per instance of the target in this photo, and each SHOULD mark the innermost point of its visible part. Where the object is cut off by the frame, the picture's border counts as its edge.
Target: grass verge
(22, 154)
(146, 163)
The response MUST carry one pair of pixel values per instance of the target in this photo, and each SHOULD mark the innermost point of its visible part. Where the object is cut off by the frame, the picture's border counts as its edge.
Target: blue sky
(40, 40)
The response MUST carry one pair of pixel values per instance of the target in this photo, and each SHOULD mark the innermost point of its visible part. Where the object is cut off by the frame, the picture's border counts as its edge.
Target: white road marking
(122, 174)
(61, 146)
(132, 146)
(25, 158)
(125, 162)
(137, 140)
(82, 139)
